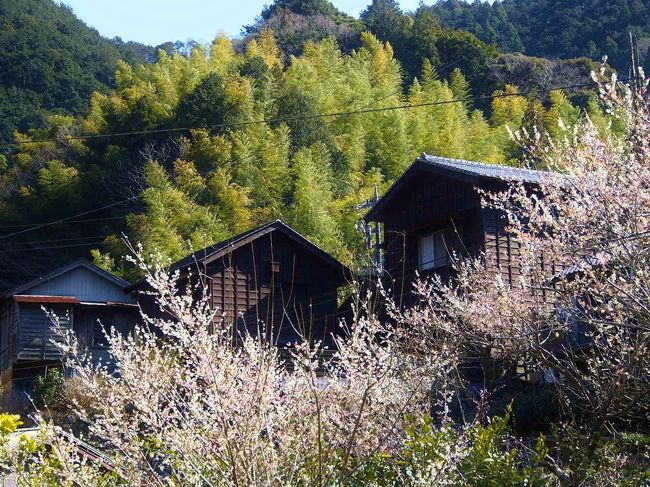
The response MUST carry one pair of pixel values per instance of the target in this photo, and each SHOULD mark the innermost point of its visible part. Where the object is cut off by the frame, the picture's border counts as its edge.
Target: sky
(156, 21)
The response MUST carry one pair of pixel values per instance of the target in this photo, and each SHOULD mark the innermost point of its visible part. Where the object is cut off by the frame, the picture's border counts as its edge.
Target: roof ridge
(432, 158)
(216, 248)
(62, 269)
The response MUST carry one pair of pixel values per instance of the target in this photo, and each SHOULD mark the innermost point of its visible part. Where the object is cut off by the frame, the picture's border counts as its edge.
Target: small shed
(82, 296)
(270, 282)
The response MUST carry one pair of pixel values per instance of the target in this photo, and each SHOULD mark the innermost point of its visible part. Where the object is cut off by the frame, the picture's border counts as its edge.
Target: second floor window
(432, 251)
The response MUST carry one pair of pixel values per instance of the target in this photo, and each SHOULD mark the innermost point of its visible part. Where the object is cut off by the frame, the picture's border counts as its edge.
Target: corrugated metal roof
(70, 267)
(494, 171)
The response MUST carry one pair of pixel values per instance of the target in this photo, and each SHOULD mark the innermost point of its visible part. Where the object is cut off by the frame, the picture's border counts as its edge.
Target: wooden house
(83, 297)
(270, 282)
(435, 211)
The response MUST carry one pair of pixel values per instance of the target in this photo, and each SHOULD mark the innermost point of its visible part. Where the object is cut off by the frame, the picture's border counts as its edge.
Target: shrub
(49, 390)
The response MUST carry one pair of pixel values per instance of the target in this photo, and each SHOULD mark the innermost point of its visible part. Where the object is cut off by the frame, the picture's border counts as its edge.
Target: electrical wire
(62, 220)
(58, 240)
(317, 116)
(87, 244)
(66, 221)
(23, 225)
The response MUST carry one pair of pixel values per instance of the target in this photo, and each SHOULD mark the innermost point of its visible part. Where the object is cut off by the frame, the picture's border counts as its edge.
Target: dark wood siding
(275, 287)
(39, 338)
(28, 334)
(9, 316)
(427, 203)
(90, 322)
(433, 197)
(503, 254)
(501, 248)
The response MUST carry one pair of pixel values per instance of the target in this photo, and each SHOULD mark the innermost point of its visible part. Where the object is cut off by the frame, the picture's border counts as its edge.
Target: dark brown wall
(501, 249)
(427, 203)
(502, 252)
(277, 287)
(8, 332)
(89, 322)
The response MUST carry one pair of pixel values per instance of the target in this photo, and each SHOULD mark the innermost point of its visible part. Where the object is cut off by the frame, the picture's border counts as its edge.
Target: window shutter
(440, 249)
(426, 252)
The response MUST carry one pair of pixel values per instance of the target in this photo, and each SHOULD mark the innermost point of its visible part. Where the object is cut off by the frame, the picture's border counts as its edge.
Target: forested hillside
(258, 151)
(555, 28)
(488, 62)
(50, 61)
(203, 143)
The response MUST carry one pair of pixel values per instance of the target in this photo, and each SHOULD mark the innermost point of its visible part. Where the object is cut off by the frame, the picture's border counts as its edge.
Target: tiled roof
(475, 171)
(494, 171)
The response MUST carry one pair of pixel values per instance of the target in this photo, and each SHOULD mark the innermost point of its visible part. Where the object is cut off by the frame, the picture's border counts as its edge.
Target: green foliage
(491, 462)
(552, 29)
(419, 37)
(49, 390)
(477, 456)
(211, 105)
(51, 61)
(173, 223)
(312, 197)
(299, 111)
(594, 457)
(261, 148)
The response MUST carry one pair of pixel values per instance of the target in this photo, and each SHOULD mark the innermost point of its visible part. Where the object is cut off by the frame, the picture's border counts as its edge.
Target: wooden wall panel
(39, 337)
(267, 285)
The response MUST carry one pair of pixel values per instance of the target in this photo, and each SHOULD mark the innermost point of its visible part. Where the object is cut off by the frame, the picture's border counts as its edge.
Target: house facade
(83, 297)
(434, 212)
(269, 282)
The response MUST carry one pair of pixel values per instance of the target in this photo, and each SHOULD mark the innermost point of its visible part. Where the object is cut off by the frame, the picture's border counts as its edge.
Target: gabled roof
(482, 169)
(469, 171)
(67, 268)
(218, 250)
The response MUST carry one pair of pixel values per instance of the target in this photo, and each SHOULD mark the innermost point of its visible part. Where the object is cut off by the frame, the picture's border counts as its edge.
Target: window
(432, 251)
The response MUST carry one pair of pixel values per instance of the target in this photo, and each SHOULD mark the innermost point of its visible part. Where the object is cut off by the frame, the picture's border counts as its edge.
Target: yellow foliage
(9, 423)
(22, 160)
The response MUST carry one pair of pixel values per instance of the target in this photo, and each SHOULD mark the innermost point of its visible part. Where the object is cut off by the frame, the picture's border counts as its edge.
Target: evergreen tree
(214, 104)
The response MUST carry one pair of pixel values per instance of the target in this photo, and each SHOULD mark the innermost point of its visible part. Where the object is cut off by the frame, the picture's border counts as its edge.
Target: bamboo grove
(203, 146)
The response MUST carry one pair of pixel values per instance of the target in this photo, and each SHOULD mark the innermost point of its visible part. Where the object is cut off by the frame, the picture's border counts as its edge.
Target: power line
(57, 240)
(36, 227)
(124, 216)
(23, 225)
(301, 118)
(48, 248)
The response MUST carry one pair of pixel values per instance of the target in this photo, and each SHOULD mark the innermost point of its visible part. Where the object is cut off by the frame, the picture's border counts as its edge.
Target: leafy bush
(49, 390)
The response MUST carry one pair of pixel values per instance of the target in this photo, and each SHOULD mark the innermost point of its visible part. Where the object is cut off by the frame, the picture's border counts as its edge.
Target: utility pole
(371, 233)
(378, 259)
(634, 66)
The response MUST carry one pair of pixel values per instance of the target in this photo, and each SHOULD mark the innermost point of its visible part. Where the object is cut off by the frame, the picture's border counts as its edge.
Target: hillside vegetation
(555, 28)
(50, 61)
(260, 147)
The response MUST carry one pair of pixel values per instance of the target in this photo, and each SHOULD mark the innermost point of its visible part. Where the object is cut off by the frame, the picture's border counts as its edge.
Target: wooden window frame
(439, 250)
